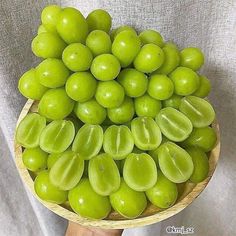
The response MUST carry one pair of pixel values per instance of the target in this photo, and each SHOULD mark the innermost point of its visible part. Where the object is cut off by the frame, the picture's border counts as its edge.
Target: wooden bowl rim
(116, 224)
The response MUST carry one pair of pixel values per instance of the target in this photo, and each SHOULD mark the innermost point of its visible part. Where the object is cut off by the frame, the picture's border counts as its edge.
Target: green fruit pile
(122, 117)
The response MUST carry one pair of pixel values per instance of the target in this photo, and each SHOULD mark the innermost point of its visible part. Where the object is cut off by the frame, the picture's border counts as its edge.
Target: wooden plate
(188, 191)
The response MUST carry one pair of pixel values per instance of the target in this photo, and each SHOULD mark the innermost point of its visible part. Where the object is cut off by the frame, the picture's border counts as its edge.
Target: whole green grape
(164, 193)
(151, 36)
(116, 31)
(52, 73)
(128, 202)
(173, 101)
(55, 104)
(160, 87)
(173, 124)
(104, 175)
(30, 87)
(52, 158)
(134, 174)
(198, 110)
(42, 29)
(125, 47)
(200, 163)
(88, 141)
(204, 138)
(118, 141)
(147, 106)
(192, 58)
(77, 57)
(87, 203)
(72, 26)
(99, 42)
(149, 58)
(110, 94)
(99, 20)
(67, 171)
(29, 130)
(134, 82)
(105, 67)
(48, 45)
(81, 86)
(123, 113)
(204, 87)
(50, 16)
(35, 159)
(185, 80)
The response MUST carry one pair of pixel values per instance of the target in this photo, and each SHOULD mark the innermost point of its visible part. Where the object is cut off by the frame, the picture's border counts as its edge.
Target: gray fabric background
(210, 25)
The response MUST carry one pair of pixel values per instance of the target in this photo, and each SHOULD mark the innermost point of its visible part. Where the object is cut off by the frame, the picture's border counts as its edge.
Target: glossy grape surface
(151, 36)
(116, 31)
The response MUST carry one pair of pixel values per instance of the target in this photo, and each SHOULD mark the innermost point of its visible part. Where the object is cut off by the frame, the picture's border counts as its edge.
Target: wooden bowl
(187, 192)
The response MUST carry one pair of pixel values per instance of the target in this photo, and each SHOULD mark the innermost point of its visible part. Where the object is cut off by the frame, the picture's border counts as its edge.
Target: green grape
(81, 86)
(77, 57)
(122, 114)
(173, 124)
(52, 159)
(87, 203)
(128, 202)
(99, 20)
(47, 191)
(90, 112)
(118, 141)
(134, 174)
(175, 163)
(72, 26)
(57, 136)
(88, 141)
(147, 106)
(67, 171)
(198, 110)
(110, 94)
(204, 87)
(185, 80)
(105, 67)
(160, 87)
(192, 58)
(29, 130)
(151, 36)
(48, 45)
(104, 174)
(50, 16)
(42, 29)
(172, 59)
(99, 42)
(204, 138)
(164, 193)
(52, 73)
(146, 133)
(116, 31)
(125, 47)
(55, 104)
(134, 82)
(200, 163)
(35, 159)
(173, 101)
(149, 58)
(30, 87)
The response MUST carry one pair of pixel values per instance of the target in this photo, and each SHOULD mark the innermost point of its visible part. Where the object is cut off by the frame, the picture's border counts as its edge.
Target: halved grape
(67, 171)
(173, 124)
(146, 133)
(29, 130)
(175, 163)
(87, 203)
(198, 110)
(140, 172)
(57, 136)
(104, 174)
(88, 141)
(128, 202)
(118, 141)
(164, 193)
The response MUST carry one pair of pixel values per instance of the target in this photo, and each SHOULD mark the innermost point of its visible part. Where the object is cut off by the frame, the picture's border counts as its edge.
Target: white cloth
(210, 25)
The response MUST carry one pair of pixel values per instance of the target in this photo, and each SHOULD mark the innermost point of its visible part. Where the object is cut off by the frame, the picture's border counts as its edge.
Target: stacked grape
(122, 118)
